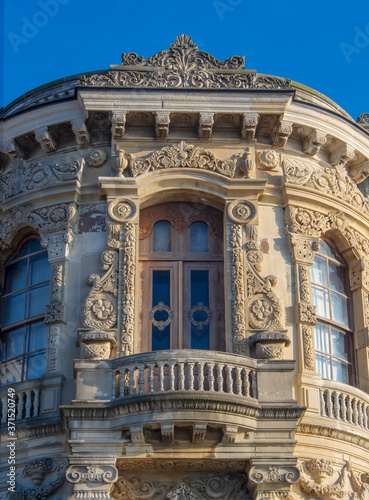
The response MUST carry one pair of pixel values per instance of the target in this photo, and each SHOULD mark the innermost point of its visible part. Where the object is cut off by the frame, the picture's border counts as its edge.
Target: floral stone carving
(269, 344)
(241, 211)
(183, 66)
(95, 344)
(122, 210)
(268, 159)
(97, 158)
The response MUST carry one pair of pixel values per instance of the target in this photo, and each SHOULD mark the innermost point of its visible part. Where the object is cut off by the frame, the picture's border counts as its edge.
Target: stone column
(92, 479)
(271, 479)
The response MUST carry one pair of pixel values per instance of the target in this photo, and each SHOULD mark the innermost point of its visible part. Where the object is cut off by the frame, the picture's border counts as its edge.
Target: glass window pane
(320, 298)
(39, 269)
(200, 314)
(319, 271)
(13, 308)
(37, 336)
(337, 278)
(14, 343)
(199, 237)
(35, 245)
(339, 308)
(11, 372)
(340, 371)
(323, 366)
(326, 249)
(162, 236)
(160, 313)
(24, 250)
(15, 278)
(322, 338)
(35, 365)
(37, 298)
(340, 343)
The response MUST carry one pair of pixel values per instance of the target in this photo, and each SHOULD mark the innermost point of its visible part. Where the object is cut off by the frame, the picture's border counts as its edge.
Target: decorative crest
(182, 66)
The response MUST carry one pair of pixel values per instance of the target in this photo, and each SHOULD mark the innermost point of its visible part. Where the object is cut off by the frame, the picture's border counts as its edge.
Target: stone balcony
(201, 397)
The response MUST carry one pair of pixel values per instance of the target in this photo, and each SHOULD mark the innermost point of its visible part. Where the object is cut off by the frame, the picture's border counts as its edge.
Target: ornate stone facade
(254, 420)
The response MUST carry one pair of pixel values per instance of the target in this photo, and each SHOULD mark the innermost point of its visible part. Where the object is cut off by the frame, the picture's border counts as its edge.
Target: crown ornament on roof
(183, 65)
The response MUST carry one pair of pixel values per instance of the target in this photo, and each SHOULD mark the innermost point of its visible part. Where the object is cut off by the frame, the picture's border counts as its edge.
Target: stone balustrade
(345, 406)
(155, 373)
(23, 405)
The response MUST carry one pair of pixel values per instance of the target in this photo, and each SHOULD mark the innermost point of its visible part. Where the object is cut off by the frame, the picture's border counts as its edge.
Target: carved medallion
(268, 159)
(241, 212)
(97, 158)
(122, 210)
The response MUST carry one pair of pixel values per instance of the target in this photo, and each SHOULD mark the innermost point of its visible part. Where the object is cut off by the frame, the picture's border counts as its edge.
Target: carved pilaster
(312, 144)
(91, 481)
(127, 268)
(272, 479)
(118, 126)
(46, 140)
(302, 248)
(206, 122)
(281, 133)
(249, 124)
(80, 131)
(342, 155)
(162, 121)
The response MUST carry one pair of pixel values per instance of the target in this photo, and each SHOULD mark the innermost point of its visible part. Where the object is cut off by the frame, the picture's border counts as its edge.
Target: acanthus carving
(57, 245)
(182, 156)
(333, 181)
(24, 177)
(38, 470)
(127, 268)
(183, 66)
(302, 248)
(237, 290)
(100, 309)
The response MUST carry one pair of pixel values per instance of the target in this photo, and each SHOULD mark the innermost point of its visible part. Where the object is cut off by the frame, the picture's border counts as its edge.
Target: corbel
(45, 140)
(359, 173)
(162, 121)
(281, 133)
(199, 431)
(363, 120)
(230, 433)
(14, 150)
(167, 432)
(80, 131)
(249, 124)
(137, 435)
(118, 126)
(342, 155)
(312, 144)
(206, 122)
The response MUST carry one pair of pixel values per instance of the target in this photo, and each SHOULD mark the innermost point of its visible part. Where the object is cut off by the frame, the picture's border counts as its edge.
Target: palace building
(185, 286)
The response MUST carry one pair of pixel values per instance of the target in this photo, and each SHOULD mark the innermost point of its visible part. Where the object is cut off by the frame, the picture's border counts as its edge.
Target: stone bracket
(46, 140)
(80, 131)
(118, 126)
(342, 155)
(311, 146)
(249, 124)
(281, 133)
(162, 121)
(206, 122)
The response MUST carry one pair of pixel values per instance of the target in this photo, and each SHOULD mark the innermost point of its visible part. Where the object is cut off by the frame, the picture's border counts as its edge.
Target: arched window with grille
(333, 331)
(25, 294)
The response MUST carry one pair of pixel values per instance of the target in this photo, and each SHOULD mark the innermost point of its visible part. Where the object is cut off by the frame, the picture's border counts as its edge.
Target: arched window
(181, 271)
(330, 295)
(25, 294)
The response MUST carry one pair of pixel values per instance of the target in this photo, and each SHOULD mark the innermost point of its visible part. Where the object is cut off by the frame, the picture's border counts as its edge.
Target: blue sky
(322, 44)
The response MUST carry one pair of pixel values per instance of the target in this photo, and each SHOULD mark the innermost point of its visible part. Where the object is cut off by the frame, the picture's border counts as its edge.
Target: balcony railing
(22, 405)
(184, 371)
(346, 407)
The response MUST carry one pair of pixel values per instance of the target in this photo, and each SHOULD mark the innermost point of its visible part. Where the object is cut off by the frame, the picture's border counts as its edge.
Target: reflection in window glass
(199, 237)
(160, 314)
(200, 331)
(162, 236)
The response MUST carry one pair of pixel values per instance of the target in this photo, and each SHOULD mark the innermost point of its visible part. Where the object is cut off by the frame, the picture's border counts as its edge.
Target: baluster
(19, 406)
(355, 413)
(28, 404)
(141, 379)
(329, 404)
(365, 416)
(172, 377)
(181, 376)
(131, 382)
(220, 376)
(229, 379)
(122, 384)
(211, 377)
(191, 377)
(200, 367)
(161, 376)
(36, 403)
(361, 414)
(114, 387)
(349, 409)
(254, 386)
(246, 382)
(238, 381)
(4, 401)
(323, 409)
(336, 405)
(343, 407)
(151, 377)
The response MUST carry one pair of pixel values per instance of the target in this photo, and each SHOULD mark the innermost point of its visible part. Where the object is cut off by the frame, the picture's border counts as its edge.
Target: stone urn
(269, 344)
(95, 344)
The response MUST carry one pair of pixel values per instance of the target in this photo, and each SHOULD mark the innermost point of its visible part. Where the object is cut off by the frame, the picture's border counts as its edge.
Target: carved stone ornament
(57, 245)
(182, 156)
(96, 158)
(95, 344)
(23, 177)
(268, 159)
(118, 126)
(122, 210)
(162, 324)
(92, 474)
(241, 211)
(281, 133)
(302, 248)
(273, 474)
(238, 303)
(127, 286)
(46, 140)
(53, 345)
(328, 180)
(81, 133)
(206, 123)
(54, 313)
(162, 121)
(121, 161)
(314, 142)
(249, 124)
(47, 476)
(308, 345)
(269, 344)
(100, 309)
(183, 66)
